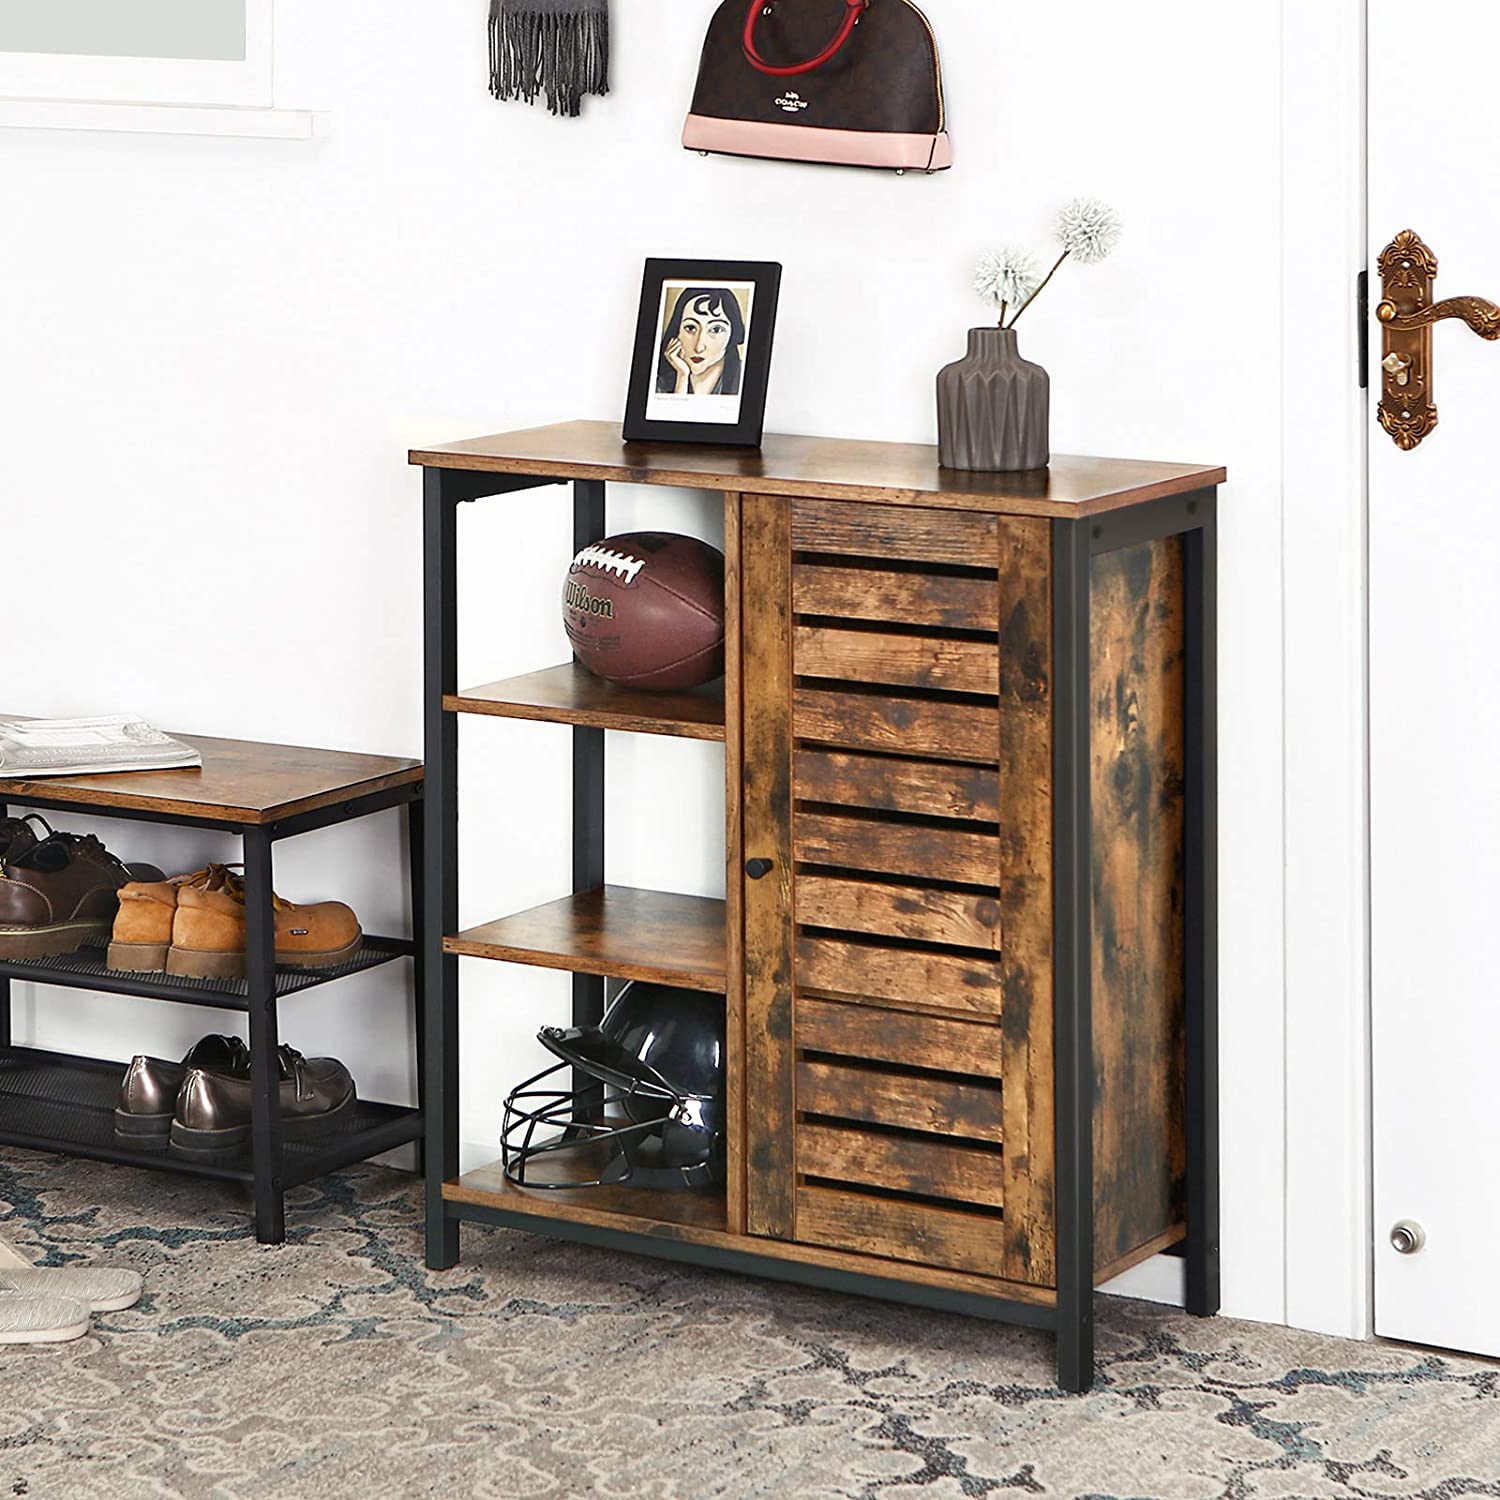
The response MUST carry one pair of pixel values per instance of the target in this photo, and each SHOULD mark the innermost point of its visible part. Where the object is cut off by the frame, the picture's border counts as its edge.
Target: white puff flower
(1088, 230)
(1007, 276)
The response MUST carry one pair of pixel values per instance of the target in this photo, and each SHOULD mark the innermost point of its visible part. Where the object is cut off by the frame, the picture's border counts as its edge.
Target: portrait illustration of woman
(700, 349)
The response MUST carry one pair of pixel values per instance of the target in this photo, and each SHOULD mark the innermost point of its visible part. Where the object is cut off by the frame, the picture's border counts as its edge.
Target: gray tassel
(560, 46)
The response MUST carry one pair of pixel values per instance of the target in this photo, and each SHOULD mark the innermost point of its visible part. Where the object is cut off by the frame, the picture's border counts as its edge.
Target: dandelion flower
(1007, 276)
(1088, 230)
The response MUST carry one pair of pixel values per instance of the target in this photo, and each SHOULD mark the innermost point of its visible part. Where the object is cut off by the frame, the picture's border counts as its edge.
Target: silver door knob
(1408, 1237)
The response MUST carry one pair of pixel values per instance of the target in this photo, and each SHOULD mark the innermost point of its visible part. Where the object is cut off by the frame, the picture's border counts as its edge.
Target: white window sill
(159, 119)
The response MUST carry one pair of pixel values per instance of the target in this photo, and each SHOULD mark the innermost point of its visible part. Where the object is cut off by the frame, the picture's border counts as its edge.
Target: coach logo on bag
(792, 102)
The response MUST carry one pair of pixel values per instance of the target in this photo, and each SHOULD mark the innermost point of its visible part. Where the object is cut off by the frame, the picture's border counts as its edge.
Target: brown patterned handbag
(852, 82)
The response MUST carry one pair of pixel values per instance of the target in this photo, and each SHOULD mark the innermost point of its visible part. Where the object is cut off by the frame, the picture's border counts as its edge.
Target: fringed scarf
(561, 46)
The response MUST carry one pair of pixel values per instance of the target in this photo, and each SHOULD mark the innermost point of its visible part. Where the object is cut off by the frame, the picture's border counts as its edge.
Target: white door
(1435, 693)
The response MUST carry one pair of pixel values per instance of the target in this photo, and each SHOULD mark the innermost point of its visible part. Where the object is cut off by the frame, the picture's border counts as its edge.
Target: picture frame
(703, 345)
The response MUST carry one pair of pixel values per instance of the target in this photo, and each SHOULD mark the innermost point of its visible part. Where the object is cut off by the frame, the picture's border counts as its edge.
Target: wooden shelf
(617, 932)
(239, 782)
(697, 1218)
(572, 695)
(640, 1209)
(826, 468)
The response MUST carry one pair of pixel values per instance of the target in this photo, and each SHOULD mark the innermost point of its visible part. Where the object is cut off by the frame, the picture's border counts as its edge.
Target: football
(646, 610)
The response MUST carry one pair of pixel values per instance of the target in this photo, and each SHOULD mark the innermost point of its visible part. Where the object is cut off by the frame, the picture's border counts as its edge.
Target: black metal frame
(270, 1172)
(1072, 926)
(1075, 544)
(589, 991)
(771, 1267)
(443, 491)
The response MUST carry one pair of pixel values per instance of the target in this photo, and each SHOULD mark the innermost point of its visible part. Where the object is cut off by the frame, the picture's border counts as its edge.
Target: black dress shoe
(212, 1124)
(148, 1094)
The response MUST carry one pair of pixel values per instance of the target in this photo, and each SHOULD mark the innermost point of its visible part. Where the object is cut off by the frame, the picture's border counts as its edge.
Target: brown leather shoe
(17, 836)
(194, 927)
(148, 1093)
(212, 1123)
(59, 894)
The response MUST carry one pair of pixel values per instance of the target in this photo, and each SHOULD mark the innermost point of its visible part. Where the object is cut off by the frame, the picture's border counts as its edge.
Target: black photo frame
(706, 295)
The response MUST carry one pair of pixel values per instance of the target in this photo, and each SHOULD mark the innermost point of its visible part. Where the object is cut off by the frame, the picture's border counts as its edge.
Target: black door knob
(758, 869)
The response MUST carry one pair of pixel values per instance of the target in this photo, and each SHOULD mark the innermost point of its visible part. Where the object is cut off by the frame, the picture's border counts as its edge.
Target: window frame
(249, 82)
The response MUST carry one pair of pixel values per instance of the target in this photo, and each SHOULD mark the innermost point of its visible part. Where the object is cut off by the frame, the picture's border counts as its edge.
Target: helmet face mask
(657, 1057)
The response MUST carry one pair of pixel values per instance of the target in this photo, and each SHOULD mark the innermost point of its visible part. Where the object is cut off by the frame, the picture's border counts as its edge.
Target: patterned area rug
(337, 1366)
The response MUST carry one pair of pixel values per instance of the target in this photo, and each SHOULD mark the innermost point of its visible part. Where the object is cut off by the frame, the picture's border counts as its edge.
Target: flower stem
(1038, 292)
(1003, 306)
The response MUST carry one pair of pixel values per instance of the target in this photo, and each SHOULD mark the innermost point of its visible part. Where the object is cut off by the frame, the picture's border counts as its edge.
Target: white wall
(217, 352)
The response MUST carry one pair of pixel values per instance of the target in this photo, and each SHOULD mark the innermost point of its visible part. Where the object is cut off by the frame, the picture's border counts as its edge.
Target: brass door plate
(1408, 269)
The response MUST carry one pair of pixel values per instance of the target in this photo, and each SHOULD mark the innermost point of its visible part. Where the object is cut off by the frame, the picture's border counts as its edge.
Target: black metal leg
(588, 875)
(588, 811)
(415, 837)
(440, 862)
(265, 1071)
(1073, 941)
(1202, 1249)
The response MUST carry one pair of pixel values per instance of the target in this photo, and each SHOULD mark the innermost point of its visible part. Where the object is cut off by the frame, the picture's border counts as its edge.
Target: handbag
(856, 83)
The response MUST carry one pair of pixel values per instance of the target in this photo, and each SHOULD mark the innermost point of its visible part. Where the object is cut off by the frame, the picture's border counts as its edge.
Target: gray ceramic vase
(994, 407)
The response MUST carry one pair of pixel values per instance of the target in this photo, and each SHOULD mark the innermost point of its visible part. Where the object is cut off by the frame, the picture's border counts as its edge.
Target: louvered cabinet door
(897, 743)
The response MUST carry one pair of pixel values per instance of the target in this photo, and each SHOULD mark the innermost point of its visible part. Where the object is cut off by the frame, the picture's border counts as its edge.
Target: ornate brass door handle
(1406, 313)
(1481, 315)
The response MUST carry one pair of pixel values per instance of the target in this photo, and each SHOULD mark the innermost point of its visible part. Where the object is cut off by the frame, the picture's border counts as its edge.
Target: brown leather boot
(59, 894)
(142, 935)
(208, 930)
(143, 928)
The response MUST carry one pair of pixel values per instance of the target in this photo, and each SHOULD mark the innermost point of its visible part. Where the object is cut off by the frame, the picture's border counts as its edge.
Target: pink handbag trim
(845, 148)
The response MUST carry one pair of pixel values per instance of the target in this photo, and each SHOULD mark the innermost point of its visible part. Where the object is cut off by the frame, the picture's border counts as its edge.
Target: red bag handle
(854, 10)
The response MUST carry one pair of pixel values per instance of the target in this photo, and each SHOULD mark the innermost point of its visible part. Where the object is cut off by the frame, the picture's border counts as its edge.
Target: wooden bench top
(239, 782)
(823, 468)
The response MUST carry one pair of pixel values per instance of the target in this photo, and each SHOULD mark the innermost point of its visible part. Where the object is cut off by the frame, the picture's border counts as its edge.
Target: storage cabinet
(967, 943)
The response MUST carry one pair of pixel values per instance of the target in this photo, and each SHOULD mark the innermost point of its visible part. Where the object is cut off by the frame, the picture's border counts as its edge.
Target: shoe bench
(51, 1101)
(968, 725)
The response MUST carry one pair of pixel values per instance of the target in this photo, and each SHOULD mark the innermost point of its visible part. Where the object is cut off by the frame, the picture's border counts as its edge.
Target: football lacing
(621, 564)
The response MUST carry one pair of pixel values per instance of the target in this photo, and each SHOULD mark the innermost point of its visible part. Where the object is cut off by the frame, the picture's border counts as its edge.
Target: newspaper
(84, 747)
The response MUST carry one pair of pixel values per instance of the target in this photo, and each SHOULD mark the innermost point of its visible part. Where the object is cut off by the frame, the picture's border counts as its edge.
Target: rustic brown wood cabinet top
(969, 977)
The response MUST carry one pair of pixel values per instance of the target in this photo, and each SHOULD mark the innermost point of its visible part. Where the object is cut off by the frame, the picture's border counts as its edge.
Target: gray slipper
(41, 1320)
(100, 1290)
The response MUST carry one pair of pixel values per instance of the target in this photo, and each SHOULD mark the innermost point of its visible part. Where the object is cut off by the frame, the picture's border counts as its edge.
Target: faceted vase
(993, 407)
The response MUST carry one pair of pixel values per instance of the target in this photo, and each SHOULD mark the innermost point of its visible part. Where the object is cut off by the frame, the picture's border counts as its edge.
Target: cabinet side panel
(1139, 976)
(766, 731)
(1026, 897)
